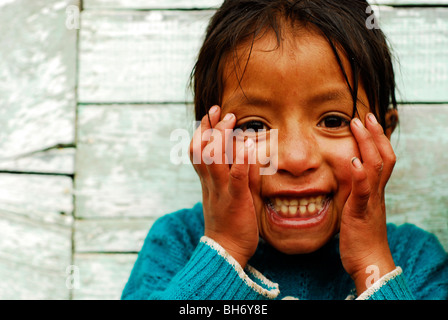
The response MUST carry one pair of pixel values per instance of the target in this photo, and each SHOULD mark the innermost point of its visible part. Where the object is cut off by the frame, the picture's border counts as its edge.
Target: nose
(298, 152)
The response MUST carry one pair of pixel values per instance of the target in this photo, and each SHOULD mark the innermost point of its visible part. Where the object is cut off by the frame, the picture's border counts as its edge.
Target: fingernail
(358, 122)
(228, 116)
(213, 110)
(372, 118)
(356, 163)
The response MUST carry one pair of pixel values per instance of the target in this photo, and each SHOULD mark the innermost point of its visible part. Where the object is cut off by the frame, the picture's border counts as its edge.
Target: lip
(299, 223)
(298, 193)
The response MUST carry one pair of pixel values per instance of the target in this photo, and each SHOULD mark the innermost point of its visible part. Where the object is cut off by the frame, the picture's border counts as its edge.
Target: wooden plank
(102, 276)
(33, 259)
(146, 56)
(43, 245)
(138, 56)
(35, 223)
(417, 191)
(111, 235)
(123, 161)
(56, 160)
(37, 86)
(47, 199)
(24, 282)
(419, 39)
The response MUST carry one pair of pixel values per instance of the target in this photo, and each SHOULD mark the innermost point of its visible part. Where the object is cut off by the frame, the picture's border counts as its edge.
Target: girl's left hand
(364, 248)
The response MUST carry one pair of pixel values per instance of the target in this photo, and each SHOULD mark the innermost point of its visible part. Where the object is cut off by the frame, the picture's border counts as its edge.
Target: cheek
(339, 159)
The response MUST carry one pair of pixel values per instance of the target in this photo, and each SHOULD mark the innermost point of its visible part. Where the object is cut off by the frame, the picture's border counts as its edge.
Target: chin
(299, 245)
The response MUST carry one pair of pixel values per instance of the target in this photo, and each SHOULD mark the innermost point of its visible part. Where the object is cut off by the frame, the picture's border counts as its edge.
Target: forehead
(302, 68)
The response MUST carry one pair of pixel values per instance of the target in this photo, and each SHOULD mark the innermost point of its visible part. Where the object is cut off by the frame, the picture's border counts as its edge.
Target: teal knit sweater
(178, 262)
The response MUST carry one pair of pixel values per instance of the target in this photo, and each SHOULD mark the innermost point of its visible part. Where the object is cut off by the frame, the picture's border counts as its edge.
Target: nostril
(296, 173)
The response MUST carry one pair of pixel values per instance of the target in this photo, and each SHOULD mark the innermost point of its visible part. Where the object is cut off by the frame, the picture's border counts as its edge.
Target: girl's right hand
(229, 211)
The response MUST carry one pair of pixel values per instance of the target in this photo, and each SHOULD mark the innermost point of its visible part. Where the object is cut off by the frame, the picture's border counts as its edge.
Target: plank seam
(70, 175)
(77, 75)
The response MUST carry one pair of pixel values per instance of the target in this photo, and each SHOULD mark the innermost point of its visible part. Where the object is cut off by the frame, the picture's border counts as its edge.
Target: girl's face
(298, 89)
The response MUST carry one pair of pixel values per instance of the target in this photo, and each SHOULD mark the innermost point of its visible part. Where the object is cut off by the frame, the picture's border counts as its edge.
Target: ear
(391, 122)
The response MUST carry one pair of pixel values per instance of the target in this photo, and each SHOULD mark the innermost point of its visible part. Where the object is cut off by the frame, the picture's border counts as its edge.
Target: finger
(215, 152)
(371, 158)
(359, 197)
(384, 148)
(203, 133)
(201, 137)
(238, 186)
(220, 138)
(255, 173)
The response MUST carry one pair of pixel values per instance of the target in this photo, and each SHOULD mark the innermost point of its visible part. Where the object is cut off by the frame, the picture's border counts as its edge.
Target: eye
(334, 122)
(252, 125)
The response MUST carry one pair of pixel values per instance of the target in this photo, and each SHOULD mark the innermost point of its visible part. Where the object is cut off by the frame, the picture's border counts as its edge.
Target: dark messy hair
(342, 22)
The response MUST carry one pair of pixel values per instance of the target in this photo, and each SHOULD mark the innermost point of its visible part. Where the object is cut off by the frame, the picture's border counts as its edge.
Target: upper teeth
(293, 207)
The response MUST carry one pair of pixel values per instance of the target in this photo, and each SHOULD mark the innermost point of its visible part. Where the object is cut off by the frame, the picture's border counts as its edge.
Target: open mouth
(298, 211)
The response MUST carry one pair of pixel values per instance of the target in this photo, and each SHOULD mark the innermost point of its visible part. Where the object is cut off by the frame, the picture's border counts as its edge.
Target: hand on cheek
(229, 211)
(363, 234)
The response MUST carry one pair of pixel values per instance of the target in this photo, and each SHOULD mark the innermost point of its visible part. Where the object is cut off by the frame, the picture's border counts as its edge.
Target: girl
(317, 76)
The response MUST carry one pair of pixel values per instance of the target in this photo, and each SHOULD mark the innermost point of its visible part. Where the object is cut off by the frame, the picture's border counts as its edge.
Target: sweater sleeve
(423, 271)
(391, 286)
(212, 274)
(174, 265)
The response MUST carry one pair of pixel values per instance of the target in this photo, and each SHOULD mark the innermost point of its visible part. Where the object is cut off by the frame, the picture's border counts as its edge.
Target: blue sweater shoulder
(423, 259)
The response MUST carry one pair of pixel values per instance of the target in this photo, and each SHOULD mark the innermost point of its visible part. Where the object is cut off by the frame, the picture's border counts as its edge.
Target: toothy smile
(292, 207)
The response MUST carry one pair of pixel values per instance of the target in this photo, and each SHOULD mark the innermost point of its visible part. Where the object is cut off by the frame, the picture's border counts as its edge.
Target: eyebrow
(331, 95)
(259, 101)
(242, 98)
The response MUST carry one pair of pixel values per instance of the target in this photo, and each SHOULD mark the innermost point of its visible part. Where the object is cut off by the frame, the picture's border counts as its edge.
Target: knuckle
(236, 173)
(378, 166)
(392, 159)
